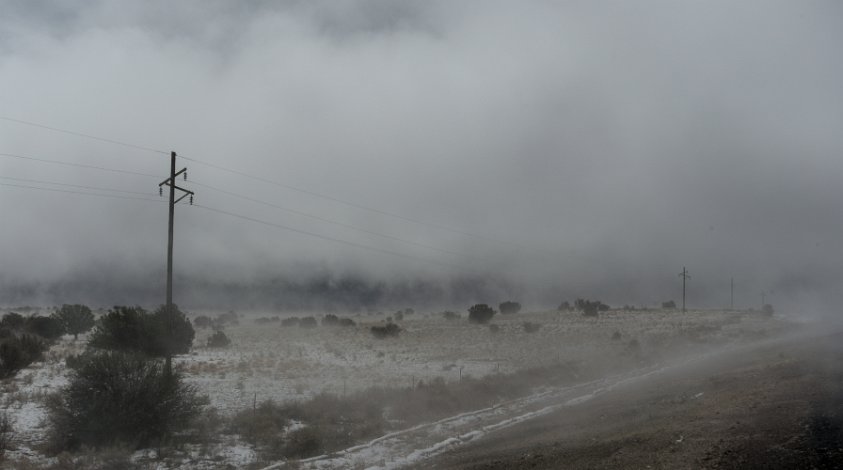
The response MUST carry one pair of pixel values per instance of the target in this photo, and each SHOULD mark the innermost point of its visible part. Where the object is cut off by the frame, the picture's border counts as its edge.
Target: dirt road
(774, 406)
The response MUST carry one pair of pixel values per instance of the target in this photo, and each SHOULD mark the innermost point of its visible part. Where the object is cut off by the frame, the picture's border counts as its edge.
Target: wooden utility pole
(732, 294)
(685, 276)
(171, 182)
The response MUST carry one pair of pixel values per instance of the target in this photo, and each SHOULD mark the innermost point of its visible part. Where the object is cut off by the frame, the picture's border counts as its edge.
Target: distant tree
(669, 305)
(218, 340)
(564, 306)
(767, 309)
(49, 328)
(330, 320)
(346, 322)
(75, 319)
(399, 316)
(480, 313)
(118, 398)
(509, 307)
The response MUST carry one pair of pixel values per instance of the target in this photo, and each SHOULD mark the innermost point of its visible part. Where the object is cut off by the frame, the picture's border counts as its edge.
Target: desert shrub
(49, 328)
(451, 315)
(330, 320)
(590, 308)
(118, 398)
(564, 306)
(75, 319)
(292, 321)
(326, 423)
(6, 333)
(346, 322)
(13, 321)
(530, 327)
(409, 311)
(494, 328)
(509, 307)
(767, 309)
(390, 329)
(303, 442)
(616, 336)
(165, 332)
(218, 340)
(308, 322)
(17, 352)
(480, 313)
(203, 321)
(399, 315)
(669, 305)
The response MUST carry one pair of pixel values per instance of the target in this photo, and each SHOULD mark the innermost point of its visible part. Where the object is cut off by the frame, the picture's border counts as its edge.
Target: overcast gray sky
(589, 148)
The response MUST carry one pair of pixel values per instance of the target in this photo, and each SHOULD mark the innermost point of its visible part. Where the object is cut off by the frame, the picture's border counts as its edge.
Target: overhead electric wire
(271, 182)
(80, 134)
(67, 191)
(79, 165)
(324, 237)
(334, 222)
(24, 180)
(349, 203)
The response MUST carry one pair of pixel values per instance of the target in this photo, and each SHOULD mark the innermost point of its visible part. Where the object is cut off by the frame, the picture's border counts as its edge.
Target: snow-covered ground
(268, 361)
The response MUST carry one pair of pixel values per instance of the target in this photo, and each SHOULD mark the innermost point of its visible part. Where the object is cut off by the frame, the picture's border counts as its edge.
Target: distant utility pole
(171, 182)
(732, 296)
(763, 298)
(685, 276)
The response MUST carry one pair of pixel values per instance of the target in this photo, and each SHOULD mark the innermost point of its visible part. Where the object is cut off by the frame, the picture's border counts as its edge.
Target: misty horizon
(536, 152)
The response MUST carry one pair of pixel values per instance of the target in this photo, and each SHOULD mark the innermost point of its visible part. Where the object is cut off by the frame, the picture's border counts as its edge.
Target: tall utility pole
(732, 294)
(171, 182)
(763, 298)
(685, 276)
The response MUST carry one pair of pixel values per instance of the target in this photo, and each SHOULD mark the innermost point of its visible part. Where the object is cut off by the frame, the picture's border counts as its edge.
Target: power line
(323, 237)
(78, 165)
(67, 191)
(80, 134)
(352, 204)
(323, 219)
(272, 182)
(24, 180)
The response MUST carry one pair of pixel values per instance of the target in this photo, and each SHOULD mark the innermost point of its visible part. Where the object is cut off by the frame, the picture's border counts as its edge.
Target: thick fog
(551, 150)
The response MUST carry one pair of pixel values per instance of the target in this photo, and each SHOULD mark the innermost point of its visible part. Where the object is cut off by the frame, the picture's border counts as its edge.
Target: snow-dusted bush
(17, 352)
(165, 332)
(390, 329)
(118, 398)
(218, 340)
